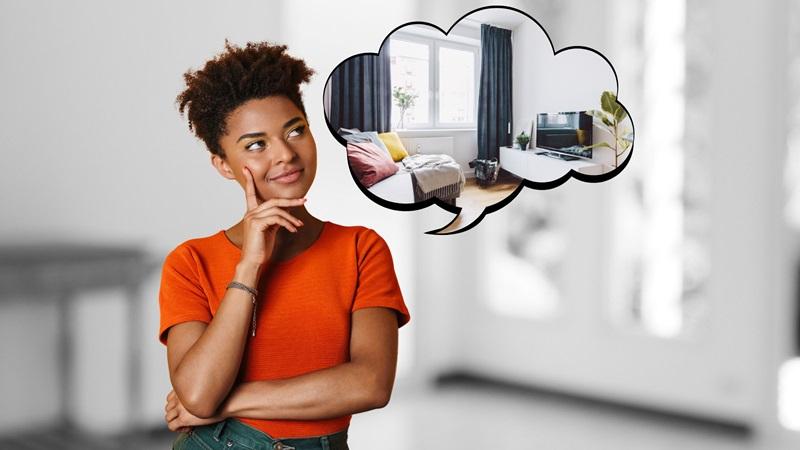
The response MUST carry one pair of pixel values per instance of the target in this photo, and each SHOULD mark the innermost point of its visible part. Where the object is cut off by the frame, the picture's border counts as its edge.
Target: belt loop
(324, 442)
(218, 429)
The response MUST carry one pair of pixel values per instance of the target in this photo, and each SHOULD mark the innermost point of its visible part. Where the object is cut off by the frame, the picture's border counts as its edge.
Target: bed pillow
(367, 136)
(395, 146)
(369, 163)
(374, 137)
(355, 138)
(345, 131)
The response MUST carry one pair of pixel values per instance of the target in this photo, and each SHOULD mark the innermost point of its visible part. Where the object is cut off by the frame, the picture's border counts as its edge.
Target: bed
(415, 182)
(412, 179)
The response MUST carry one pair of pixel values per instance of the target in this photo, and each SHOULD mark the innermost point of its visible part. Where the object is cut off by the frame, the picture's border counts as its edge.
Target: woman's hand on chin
(180, 420)
(262, 221)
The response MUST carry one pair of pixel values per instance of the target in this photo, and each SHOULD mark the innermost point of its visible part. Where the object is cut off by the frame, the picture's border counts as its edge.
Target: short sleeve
(377, 282)
(181, 297)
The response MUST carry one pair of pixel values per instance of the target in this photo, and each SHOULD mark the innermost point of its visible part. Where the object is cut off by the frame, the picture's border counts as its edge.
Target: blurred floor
(468, 415)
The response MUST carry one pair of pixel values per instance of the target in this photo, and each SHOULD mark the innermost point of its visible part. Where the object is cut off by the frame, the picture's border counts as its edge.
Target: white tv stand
(527, 164)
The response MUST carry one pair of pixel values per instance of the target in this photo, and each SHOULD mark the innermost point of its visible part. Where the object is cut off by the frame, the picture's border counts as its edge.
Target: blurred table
(45, 271)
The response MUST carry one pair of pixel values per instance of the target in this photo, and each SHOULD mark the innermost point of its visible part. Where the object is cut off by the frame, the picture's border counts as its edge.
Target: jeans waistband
(234, 430)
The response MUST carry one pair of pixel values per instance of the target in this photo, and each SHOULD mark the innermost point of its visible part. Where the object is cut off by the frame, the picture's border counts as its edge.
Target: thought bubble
(467, 117)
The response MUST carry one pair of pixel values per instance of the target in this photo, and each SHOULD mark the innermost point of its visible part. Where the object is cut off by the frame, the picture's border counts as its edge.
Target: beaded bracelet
(253, 294)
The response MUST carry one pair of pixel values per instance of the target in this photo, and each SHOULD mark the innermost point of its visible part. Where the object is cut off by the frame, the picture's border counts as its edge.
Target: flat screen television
(565, 132)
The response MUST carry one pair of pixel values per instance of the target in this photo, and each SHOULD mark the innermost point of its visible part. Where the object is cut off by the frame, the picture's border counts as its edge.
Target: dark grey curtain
(494, 95)
(361, 93)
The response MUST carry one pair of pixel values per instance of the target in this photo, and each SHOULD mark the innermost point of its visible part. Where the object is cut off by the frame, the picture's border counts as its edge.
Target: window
(410, 77)
(434, 83)
(457, 86)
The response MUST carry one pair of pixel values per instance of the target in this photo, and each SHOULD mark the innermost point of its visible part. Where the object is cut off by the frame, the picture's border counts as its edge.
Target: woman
(282, 326)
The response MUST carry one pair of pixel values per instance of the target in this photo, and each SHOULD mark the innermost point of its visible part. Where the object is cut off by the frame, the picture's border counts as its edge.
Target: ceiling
(501, 17)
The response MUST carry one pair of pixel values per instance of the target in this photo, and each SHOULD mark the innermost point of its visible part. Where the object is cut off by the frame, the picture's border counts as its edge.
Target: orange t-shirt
(303, 318)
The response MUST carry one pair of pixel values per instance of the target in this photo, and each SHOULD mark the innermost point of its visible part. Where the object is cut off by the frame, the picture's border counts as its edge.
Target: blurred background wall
(670, 287)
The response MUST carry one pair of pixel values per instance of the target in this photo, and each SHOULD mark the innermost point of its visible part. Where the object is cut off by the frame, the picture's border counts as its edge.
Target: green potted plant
(612, 117)
(404, 98)
(522, 140)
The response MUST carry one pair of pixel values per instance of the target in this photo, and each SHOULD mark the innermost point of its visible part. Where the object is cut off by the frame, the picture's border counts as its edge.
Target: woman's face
(272, 138)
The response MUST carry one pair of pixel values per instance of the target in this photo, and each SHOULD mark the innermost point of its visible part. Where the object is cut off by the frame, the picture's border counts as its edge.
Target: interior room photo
(465, 116)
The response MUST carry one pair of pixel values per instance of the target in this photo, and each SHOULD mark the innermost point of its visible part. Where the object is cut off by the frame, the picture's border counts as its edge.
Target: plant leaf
(620, 113)
(608, 101)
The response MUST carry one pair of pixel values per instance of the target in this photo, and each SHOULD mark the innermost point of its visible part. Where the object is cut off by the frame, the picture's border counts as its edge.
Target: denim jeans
(232, 434)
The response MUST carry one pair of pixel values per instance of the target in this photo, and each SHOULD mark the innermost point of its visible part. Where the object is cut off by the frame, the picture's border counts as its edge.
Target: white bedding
(397, 188)
(434, 171)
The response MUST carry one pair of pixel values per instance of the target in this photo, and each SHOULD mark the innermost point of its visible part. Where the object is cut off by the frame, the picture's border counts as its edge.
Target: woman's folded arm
(363, 383)
(204, 359)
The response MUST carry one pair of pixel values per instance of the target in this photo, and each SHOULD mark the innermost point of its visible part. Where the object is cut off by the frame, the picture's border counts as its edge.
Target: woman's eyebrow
(251, 135)
(292, 121)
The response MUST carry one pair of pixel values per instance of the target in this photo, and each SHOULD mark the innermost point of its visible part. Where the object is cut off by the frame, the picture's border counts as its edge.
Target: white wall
(571, 81)
(94, 149)
(747, 291)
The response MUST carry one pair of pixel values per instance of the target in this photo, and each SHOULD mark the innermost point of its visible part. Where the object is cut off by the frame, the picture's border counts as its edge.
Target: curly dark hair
(233, 77)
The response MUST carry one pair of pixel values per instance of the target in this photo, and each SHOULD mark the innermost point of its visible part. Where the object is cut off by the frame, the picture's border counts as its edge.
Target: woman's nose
(281, 151)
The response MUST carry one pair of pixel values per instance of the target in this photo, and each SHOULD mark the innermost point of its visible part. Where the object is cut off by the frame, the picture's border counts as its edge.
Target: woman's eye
(297, 131)
(255, 145)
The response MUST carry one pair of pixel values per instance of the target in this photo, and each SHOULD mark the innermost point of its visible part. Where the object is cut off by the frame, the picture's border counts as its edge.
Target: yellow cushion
(392, 142)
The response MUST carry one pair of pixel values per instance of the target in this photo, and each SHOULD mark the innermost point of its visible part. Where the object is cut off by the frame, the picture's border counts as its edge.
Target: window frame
(434, 45)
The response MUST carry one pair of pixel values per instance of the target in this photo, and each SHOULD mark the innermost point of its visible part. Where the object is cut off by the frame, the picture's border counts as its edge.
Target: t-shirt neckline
(322, 233)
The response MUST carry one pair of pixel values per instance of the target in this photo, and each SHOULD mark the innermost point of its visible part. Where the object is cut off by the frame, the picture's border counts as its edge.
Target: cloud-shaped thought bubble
(465, 118)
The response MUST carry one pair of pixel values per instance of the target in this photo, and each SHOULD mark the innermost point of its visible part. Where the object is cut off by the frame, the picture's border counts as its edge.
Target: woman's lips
(290, 177)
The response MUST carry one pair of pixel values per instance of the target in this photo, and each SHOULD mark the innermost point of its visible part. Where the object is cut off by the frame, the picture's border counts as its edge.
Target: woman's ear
(222, 167)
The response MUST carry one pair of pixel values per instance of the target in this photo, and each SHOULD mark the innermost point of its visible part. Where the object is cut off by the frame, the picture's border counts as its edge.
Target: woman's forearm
(208, 370)
(337, 391)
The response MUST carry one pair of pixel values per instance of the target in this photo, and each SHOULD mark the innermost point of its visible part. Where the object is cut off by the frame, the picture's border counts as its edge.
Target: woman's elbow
(197, 402)
(381, 398)
(201, 410)
(379, 395)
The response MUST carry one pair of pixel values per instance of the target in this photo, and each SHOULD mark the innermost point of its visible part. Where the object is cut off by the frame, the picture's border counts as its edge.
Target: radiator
(429, 145)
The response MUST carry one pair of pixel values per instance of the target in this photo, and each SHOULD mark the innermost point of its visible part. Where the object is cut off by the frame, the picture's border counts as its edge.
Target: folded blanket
(434, 171)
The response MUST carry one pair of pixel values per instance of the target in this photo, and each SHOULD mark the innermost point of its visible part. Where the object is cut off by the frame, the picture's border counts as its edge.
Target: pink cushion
(369, 163)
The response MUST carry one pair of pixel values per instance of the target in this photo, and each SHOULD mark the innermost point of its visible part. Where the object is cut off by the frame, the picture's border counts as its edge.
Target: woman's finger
(171, 415)
(250, 189)
(281, 202)
(280, 221)
(263, 214)
(175, 422)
